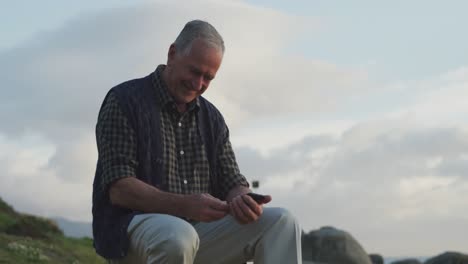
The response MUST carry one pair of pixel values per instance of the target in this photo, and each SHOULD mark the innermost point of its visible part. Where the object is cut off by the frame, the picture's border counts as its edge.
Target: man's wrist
(181, 203)
(236, 191)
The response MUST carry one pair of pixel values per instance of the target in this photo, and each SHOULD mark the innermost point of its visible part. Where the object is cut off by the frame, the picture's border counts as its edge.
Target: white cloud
(378, 179)
(33, 186)
(284, 85)
(429, 196)
(439, 100)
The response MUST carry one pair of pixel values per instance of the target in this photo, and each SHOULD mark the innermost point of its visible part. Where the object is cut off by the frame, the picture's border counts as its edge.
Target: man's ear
(171, 54)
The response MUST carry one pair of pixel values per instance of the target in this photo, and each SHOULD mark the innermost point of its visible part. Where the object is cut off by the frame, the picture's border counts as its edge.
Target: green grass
(32, 239)
(6, 221)
(8, 216)
(15, 249)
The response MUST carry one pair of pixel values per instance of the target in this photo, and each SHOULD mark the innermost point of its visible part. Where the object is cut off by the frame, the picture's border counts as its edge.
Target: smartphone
(257, 197)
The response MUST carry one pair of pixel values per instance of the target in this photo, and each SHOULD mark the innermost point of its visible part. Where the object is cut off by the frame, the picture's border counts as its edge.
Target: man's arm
(242, 207)
(134, 194)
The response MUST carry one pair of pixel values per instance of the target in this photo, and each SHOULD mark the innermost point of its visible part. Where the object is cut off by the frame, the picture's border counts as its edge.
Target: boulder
(333, 246)
(376, 259)
(449, 258)
(407, 261)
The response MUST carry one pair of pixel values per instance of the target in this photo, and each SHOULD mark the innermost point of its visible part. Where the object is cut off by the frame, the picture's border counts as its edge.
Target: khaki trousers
(158, 238)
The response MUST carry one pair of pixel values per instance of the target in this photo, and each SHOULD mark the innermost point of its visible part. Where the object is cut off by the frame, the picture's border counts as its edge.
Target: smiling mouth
(187, 87)
(190, 91)
(186, 92)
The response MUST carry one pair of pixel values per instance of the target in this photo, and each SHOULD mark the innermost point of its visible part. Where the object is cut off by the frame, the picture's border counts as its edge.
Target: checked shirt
(185, 162)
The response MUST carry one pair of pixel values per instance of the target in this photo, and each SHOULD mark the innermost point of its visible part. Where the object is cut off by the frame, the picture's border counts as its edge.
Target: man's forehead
(203, 45)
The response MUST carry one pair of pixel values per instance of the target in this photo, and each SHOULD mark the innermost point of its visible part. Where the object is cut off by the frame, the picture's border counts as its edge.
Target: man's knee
(277, 215)
(159, 238)
(181, 242)
(177, 242)
(280, 219)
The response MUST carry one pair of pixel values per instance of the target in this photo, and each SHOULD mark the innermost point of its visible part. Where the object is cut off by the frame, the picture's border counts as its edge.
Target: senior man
(167, 187)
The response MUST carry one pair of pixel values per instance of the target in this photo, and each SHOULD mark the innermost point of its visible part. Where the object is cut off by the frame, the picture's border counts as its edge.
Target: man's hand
(205, 208)
(245, 210)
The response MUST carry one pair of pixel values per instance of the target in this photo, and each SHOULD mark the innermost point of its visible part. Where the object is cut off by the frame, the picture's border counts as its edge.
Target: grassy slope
(31, 239)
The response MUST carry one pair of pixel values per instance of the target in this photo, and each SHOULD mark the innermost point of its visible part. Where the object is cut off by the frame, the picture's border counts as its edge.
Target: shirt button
(182, 152)
(180, 124)
(185, 181)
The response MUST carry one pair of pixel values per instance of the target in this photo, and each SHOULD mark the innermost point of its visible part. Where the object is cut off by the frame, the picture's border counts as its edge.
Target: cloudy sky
(351, 114)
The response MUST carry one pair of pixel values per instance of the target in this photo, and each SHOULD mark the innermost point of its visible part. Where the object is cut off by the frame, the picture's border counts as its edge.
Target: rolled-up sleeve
(115, 142)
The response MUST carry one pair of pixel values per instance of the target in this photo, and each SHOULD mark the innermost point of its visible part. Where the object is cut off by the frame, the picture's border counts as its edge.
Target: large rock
(376, 259)
(449, 258)
(407, 261)
(332, 246)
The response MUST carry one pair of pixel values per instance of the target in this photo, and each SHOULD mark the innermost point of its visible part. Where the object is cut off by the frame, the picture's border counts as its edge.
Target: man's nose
(197, 83)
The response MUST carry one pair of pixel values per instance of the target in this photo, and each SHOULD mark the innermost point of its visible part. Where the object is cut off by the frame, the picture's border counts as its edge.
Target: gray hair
(198, 29)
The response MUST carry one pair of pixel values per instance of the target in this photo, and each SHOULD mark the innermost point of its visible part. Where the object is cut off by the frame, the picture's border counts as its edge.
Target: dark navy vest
(137, 100)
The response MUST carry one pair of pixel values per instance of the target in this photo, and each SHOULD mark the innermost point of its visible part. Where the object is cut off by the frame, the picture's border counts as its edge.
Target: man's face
(189, 76)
